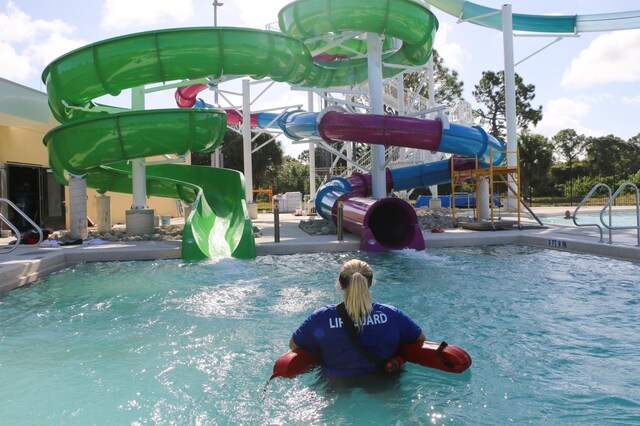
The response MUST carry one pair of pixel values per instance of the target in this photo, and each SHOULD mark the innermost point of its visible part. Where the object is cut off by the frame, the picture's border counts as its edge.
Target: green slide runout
(216, 194)
(218, 224)
(96, 144)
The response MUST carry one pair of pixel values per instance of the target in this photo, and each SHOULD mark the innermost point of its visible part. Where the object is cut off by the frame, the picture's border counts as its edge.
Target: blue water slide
(465, 142)
(328, 195)
(421, 175)
(471, 142)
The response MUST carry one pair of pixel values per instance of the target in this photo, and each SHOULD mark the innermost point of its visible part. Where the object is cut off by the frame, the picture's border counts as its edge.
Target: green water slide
(97, 142)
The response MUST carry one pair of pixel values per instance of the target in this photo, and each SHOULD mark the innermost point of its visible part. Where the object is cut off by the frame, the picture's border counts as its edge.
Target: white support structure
(399, 81)
(78, 213)
(510, 96)
(509, 84)
(374, 61)
(312, 156)
(140, 220)
(103, 211)
(483, 203)
(138, 166)
(139, 183)
(246, 139)
(432, 103)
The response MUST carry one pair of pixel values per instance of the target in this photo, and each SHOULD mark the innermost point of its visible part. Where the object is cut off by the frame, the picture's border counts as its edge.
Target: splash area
(554, 338)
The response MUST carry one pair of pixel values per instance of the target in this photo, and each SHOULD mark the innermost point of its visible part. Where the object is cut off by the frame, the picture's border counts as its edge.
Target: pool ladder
(3, 219)
(607, 208)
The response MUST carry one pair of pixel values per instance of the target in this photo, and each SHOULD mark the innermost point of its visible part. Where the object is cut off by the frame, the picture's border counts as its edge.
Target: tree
(569, 145)
(604, 155)
(490, 92)
(293, 176)
(536, 159)
(630, 157)
(447, 85)
(265, 162)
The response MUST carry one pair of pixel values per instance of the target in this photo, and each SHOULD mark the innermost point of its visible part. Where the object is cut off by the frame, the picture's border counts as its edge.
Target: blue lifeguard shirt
(324, 335)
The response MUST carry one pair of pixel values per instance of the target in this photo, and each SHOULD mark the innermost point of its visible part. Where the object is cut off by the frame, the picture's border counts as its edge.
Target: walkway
(29, 263)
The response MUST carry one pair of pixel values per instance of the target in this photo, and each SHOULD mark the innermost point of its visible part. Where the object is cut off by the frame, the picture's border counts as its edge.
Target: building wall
(120, 203)
(23, 145)
(21, 135)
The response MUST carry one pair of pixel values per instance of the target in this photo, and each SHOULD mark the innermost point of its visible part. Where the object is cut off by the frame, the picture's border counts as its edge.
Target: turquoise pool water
(618, 218)
(554, 336)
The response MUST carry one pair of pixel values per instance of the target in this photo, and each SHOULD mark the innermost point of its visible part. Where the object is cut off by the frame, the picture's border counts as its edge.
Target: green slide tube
(94, 143)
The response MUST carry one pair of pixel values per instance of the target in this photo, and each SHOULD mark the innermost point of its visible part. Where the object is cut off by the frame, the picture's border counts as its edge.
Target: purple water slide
(390, 223)
(383, 225)
(388, 130)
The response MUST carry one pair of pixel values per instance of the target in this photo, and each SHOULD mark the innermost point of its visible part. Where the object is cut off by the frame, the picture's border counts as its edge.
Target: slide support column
(139, 219)
(78, 212)
(510, 98)
(432, 103)
(374, 62)
(312, 157)
(138, 166)
(246, 139)
(484, 207)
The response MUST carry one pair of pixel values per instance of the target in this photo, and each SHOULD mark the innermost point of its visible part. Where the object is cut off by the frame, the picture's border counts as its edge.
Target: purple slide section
(381, 130)
(383, 225)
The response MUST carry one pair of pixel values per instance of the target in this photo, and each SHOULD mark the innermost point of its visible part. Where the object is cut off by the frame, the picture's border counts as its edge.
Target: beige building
(25, 177)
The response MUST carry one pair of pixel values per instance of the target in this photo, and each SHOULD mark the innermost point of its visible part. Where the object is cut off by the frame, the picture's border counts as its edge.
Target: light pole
(216, 4)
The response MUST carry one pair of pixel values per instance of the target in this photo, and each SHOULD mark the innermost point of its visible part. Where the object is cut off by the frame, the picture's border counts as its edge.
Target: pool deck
(30, 263)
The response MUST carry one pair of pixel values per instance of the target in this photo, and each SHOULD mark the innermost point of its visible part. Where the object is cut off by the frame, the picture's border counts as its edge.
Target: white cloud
(258, 15)
(453, 54)
(14, 66)
(48, 49)
(609, 58)
(565, 113)
(27, 45)
(119, 14)
(18, 27)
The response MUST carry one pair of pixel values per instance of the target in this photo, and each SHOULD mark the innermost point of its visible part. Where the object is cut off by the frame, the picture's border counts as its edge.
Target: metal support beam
(374, 61)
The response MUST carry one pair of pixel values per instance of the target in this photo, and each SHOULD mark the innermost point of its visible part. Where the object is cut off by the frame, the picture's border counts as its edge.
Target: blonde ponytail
(355, 279)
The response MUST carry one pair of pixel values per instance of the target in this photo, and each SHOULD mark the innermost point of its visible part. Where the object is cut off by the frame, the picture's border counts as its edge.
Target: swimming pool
(554, 337)
(618, 218)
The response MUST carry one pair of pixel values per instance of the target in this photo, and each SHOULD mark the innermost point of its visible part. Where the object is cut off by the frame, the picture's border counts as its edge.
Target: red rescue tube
(428, 354)
(294, 362)
(436, 355)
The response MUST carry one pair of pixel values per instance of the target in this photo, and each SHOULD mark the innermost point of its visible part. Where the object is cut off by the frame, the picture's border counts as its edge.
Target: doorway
(36, 192)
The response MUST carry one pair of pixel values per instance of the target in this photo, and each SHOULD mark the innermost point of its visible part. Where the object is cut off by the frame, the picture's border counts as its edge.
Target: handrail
(584, 200)
(608, 205)
(14, 229)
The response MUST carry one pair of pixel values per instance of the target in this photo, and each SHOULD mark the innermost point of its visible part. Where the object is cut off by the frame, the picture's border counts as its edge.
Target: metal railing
(607, 209)
(608, 206)
(5, 220)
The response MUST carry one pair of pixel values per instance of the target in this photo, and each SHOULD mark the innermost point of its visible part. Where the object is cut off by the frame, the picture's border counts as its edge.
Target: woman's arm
(420, 338)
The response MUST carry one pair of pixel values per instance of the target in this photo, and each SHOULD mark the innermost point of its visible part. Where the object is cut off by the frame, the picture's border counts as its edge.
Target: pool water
(554, 337)
(618, 218)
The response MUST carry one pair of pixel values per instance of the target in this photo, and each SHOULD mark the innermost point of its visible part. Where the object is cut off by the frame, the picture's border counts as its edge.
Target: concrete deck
(28, 264)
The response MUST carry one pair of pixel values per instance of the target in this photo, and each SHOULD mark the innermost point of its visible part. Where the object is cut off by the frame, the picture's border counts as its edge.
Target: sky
(590, 83)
